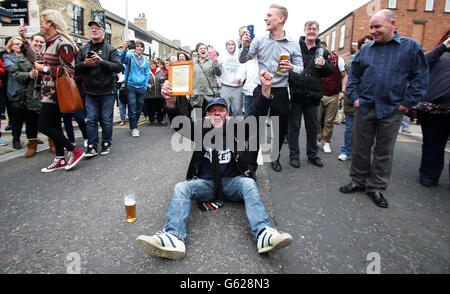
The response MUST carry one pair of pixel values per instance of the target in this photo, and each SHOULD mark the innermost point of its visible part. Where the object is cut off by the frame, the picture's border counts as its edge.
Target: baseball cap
(217, 101)
(95, 22)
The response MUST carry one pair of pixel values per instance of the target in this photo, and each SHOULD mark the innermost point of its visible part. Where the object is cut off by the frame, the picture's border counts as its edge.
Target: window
(77, 20)
(447, 6)
(429, 5)
(392, 4)
(108, 33)
(342, 37)
(328, 39)
(333, 40)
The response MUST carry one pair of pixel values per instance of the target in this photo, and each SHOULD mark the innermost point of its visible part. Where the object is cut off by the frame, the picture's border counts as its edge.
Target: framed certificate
(181, 76)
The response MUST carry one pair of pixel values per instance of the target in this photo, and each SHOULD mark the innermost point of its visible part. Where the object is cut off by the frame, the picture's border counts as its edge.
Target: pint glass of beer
(283, 56)
(130, 207)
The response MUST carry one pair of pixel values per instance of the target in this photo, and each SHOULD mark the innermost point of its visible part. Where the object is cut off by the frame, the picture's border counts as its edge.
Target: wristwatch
(45, 69)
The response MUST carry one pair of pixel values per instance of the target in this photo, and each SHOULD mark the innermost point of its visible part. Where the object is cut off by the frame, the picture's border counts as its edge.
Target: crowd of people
(388, 79)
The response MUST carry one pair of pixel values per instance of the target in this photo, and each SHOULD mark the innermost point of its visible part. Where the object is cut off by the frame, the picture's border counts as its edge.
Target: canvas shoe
(326, 148)
(270, 239)
(163, 245)
(74, 157)
(3, 143)
(135, 133)
(91, 151)
(58, 163)
(343, 157)
(106, 149)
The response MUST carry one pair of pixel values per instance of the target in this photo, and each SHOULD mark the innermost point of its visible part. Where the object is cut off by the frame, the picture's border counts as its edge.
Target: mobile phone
(132, 45)
(90, 54)
(251, 29)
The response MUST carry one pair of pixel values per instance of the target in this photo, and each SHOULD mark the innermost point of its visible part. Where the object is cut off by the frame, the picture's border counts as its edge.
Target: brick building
(423, 20)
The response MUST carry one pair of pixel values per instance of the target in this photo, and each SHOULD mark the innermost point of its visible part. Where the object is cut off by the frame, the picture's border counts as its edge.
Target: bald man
(387, 76)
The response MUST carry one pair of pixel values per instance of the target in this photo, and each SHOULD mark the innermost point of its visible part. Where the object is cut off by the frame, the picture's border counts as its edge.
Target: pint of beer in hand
(283, 56)
(130, 207)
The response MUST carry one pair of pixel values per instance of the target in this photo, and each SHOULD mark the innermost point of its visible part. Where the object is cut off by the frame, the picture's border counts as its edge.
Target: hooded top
(230, 66)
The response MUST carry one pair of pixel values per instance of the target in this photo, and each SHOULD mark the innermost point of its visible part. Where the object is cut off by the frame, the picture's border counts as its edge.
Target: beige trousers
(328, 109)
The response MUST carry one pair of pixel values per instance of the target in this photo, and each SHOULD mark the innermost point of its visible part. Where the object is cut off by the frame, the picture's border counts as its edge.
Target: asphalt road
(49, 221)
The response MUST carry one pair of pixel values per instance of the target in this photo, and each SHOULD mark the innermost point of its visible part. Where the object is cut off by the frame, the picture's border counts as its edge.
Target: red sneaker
(74, 157)
(58, 163)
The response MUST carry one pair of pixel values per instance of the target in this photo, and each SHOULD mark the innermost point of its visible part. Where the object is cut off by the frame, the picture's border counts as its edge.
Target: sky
(217, 22)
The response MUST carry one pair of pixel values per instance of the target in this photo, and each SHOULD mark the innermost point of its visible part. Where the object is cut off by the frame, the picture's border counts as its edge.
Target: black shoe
(295, 162)
(39, 141)
(8, 127)
(351, 188)
(91, 151)
(276, 165)
(106, 149)
(428, 183)
(378, 199)
(17, 145)
(316, 161)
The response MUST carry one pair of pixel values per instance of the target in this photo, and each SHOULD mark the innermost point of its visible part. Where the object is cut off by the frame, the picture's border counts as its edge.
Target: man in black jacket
(98, 62)
(306, 93)
(216, 172)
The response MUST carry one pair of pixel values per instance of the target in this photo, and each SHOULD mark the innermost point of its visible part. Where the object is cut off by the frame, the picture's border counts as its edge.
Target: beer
(319, 53)
(130, 208)
(283, 56)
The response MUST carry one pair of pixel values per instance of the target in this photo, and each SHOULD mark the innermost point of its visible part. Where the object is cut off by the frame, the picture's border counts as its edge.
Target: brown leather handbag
(69, 99)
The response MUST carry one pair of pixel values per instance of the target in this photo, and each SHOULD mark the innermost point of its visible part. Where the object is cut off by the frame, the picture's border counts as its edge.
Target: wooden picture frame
(181, 75)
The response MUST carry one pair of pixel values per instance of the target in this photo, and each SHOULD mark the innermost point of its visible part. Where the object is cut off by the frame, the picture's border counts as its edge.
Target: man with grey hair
(387, 76)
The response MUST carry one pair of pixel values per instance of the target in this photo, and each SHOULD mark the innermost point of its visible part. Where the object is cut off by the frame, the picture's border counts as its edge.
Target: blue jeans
(99, 109)
(405, 122)
(247, 104)
(135, 104)
(79, 118)
(235, 189)
(347, 147)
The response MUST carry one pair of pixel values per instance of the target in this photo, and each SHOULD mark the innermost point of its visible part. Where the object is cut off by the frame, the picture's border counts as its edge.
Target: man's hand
(403, 108)
(320, 62)
(39, 67)
(91, 61)
(286, 65)
(266, 80)
(166, 92)
(341, 95)
(246, 40)
(23, 33)
(219, 85)
(356, 103)
(125, 45)
(215, 61)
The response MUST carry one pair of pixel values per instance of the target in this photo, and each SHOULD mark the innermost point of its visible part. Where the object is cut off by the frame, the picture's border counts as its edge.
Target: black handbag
(123, 92)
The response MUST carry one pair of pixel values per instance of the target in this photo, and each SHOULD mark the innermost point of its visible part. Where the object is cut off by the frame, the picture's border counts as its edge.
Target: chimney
(141, 21)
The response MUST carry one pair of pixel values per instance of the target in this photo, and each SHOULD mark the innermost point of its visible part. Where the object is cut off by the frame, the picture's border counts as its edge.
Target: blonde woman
(13, 94)
(59, 54)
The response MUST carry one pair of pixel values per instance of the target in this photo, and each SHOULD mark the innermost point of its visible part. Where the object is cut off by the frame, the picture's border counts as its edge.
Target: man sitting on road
(215, 174)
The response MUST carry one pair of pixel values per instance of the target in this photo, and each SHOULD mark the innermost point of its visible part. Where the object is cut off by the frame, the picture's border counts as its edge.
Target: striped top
(385, 76)
(59, 53)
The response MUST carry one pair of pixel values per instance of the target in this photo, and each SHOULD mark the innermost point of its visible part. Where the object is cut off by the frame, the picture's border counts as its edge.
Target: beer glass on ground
(130, 207)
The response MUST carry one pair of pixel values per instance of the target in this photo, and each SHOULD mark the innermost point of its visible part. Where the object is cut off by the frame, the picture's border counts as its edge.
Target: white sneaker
(85, 143)
(163, 245)
(135, 133)
(326, 148)
(270, 239)
(343, 157)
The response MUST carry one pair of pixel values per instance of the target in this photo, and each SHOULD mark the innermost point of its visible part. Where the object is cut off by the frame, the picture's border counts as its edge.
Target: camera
(132, 45)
